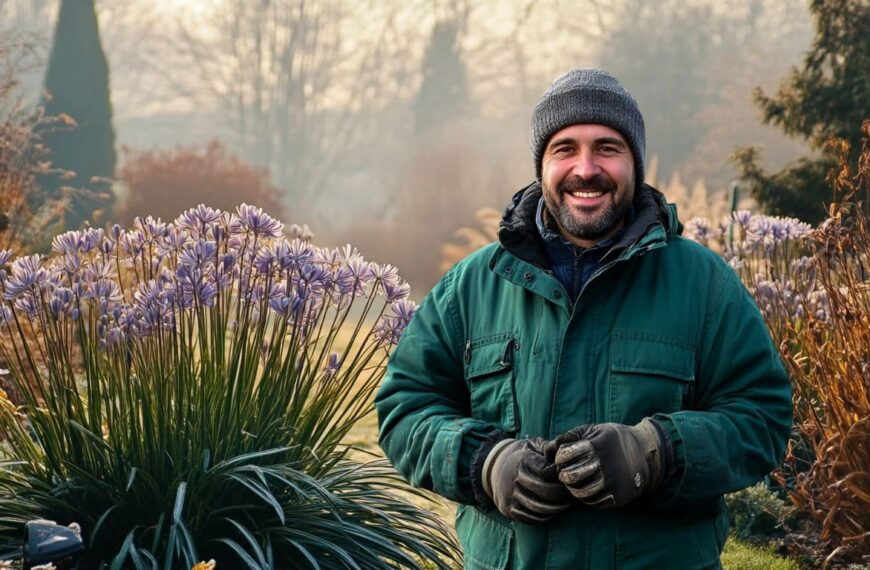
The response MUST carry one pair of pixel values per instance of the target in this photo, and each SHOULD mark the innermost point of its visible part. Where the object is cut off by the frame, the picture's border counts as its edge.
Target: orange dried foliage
(163, 183)
(829, 362)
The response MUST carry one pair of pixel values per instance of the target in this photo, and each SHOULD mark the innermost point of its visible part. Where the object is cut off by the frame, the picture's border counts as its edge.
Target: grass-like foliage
(813, 287)
(190, 387)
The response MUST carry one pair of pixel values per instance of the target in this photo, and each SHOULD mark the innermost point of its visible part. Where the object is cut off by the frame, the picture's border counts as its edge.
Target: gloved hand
(608, 465)
(522, 483)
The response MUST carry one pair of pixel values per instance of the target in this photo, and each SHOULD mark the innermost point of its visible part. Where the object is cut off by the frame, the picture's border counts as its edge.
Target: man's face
(587, 176)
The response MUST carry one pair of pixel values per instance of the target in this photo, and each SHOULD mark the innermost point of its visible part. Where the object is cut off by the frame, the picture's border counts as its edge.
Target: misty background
(387, 124)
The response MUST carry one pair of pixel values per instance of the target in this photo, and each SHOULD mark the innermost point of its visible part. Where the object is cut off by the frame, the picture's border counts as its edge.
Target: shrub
(194, 384)
(165, 182)
(759, 515)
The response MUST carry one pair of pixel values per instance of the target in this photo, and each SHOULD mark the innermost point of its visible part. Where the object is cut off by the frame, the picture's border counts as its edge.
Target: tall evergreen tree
(77, 81)
(444, 93)
(828, 97)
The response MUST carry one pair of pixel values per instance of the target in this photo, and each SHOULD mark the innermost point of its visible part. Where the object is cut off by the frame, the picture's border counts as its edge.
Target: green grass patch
(742, 556)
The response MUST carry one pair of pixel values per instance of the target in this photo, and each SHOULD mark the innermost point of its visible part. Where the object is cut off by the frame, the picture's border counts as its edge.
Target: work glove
(608, 465)
(522, 483)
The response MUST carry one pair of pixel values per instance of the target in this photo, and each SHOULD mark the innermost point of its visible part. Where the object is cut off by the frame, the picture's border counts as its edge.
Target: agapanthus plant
(191, 384)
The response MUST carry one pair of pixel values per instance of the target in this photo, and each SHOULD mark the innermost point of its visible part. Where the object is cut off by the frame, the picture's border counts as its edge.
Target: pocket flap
(488, 355)
(641, 354)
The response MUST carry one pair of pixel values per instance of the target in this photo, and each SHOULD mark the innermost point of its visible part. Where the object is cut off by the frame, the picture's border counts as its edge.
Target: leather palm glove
(521, 482)
(609, 465)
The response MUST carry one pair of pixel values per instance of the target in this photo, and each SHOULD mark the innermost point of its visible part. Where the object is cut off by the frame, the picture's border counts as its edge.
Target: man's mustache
(598, 183)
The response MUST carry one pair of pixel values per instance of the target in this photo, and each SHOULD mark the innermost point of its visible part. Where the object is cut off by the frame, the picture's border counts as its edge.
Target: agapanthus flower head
(5, 256)
(333, 364)
(132, 243)
(741, 217)
(258, 222)
(67, 242)
(698, 229)
(198, 253)
(150, 227)
(198, 219)
(172, 242)
(92, 238)
(404, 311)
(397, 292)
(27, 273)
(386, 274)
(796, 229)
(99, 270)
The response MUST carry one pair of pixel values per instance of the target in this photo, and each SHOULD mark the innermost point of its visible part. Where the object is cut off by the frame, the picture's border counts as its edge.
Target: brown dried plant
(25, 221)
(696, 201)
(468, 239)
(828, 358)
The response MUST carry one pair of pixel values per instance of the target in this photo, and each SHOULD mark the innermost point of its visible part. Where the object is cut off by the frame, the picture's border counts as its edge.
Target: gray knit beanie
(588, 96)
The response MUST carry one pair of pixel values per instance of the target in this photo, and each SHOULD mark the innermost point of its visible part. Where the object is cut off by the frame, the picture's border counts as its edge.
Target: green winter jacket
(663, 329)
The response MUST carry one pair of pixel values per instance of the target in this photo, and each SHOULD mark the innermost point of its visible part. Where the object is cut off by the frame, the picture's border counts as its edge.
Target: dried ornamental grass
(214, 395)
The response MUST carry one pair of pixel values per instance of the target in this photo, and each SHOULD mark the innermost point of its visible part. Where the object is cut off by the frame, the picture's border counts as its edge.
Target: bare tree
(298, 81)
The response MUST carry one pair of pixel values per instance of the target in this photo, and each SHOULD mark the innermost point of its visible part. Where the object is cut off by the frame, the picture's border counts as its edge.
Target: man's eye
(608, 148)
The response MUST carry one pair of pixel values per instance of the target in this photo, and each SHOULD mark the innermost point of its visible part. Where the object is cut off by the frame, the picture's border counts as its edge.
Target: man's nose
(585, 165)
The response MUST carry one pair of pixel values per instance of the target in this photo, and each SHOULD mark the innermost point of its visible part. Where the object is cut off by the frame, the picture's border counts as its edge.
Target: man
(591, 385)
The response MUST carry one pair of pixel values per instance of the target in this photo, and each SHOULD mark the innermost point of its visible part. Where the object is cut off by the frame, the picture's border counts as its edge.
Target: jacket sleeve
(423, 405)
(738, 427)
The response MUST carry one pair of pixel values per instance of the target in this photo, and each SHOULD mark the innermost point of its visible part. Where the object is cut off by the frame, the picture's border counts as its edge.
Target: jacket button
(557, 294)
(508, 269)
(528, 276)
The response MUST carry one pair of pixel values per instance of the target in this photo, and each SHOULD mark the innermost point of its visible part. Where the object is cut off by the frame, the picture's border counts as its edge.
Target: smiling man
(588, 387)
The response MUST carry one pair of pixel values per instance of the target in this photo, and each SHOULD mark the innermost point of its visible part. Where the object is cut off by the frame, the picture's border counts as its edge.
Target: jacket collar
(518, 232)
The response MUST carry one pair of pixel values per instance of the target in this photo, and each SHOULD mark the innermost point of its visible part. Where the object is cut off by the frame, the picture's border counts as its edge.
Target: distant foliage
(77, 84)
(164, 182)
(825, 98)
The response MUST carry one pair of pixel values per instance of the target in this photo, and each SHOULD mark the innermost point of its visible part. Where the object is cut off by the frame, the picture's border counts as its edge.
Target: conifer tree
(444, 92)
(77, 83)
(828, 97)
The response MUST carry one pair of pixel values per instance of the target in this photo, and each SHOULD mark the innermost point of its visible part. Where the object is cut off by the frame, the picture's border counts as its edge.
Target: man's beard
(588, 229)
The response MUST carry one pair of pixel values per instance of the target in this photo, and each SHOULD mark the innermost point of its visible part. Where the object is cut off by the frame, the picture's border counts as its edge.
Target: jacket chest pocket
(489, 375)
(648, 375)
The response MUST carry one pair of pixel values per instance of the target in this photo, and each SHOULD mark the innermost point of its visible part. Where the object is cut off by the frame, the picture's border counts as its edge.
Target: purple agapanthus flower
(404, 311)
(150, 227)
(5, 256)
(67, 242)
(258, 222)
(198, 219)
(172, 242)
(333, 364)
(397, 292)
(26, 274)
(91, 239)
(132, 243)
(698, 229)
(386, 274)
(741, 217)
(198, 253)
